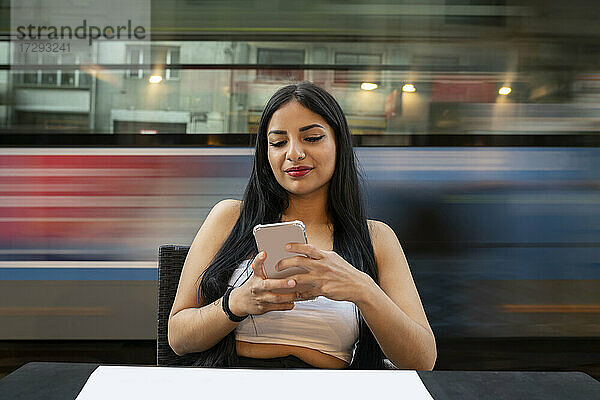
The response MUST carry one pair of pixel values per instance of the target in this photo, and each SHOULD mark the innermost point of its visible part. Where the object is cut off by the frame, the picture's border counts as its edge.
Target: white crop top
(326, 325)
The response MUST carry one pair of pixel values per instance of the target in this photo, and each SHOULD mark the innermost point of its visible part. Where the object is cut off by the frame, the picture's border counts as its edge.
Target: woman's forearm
(194, 330)
(405, 343)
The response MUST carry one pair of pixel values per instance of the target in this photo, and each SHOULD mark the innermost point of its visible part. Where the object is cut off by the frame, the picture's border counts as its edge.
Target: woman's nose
(295, 151)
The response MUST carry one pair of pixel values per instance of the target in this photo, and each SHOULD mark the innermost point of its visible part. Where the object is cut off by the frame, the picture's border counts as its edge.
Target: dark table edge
(427, 377)
(420, 373)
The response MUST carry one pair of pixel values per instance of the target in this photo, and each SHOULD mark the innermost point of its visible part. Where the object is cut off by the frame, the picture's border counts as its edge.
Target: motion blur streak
(501, 241)
(550, 308)
(54, 311)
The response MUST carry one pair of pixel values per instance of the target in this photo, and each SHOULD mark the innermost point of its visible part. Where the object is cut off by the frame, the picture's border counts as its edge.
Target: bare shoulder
(227, 210)
(376, 226)
(388, 251)
(210, 237)
(218, 223)
(381, 235)
(231, 206)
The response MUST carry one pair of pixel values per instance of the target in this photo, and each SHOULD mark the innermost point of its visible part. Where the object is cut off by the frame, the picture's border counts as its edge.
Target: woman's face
(298, 137)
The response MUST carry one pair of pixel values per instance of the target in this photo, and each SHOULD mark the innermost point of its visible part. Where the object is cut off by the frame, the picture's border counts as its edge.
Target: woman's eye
(308, 139)
(278, 144)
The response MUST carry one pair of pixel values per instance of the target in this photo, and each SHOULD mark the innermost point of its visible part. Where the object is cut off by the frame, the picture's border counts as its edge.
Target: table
(49, 380)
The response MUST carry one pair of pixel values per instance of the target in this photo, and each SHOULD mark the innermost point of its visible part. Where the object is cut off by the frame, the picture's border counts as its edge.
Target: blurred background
(475, 123)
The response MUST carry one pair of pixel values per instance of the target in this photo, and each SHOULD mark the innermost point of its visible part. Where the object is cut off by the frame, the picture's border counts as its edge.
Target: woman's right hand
(255, 296)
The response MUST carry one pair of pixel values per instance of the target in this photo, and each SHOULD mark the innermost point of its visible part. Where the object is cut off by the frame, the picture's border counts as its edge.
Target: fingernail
(288, 246)
(291, 282)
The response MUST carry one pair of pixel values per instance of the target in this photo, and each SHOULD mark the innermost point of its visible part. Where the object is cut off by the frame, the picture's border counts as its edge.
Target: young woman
(364, 306)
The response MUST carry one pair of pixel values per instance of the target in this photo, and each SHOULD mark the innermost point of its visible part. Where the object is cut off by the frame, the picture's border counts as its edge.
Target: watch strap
(226, 308)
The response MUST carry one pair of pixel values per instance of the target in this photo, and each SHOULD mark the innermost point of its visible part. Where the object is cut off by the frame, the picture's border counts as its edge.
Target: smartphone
(272, 238)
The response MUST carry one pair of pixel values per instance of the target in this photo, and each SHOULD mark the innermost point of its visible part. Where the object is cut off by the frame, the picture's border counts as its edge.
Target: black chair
(170, 264)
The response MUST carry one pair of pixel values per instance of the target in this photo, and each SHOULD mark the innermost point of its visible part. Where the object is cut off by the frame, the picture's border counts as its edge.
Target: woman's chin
(299, 192)
(302, 190)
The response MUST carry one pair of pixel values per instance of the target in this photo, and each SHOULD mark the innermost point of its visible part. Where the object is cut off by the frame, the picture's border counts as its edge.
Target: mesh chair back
(170, 264)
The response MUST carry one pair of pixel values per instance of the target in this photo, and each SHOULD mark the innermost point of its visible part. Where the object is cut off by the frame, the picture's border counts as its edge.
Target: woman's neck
(311, 209)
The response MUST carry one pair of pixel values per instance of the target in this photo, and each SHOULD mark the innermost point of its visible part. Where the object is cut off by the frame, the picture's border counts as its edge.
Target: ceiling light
(368, 86)
(409, 87)
(504, 90)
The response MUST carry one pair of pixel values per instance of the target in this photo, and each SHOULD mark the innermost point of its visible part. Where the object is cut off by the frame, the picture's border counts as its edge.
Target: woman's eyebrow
(307, 127)
(278, 132)
(304, 128)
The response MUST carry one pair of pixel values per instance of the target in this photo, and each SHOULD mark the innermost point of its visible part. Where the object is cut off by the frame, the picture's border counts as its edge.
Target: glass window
(135, 55)
(85, 79)
(67, 77)
(172, 58)
(31, 77)
(49, 77)
(350, 76)
(62, 77)
(157, 55)
(280, 56)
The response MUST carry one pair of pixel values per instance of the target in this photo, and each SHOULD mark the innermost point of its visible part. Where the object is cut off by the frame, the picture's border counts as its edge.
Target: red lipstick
(297, 172)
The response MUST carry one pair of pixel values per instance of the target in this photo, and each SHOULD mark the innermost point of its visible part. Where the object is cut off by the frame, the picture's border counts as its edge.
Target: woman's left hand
(327, 272)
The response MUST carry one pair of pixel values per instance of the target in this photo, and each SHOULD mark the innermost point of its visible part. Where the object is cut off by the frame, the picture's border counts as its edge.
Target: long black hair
(264, 202)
